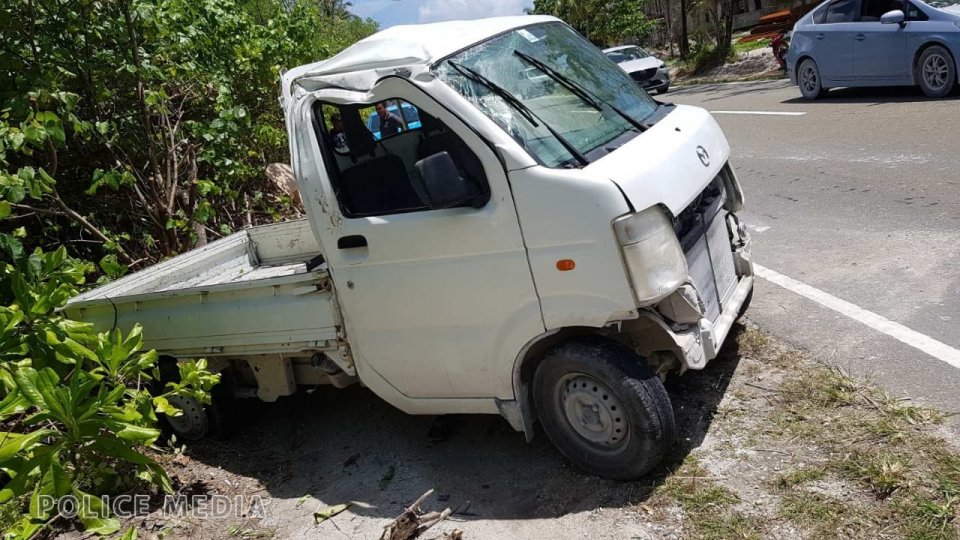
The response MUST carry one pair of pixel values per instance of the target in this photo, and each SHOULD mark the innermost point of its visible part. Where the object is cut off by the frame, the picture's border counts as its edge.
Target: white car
(648, 70)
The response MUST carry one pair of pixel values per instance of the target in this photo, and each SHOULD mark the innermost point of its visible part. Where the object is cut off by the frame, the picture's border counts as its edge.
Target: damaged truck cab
(527, 234)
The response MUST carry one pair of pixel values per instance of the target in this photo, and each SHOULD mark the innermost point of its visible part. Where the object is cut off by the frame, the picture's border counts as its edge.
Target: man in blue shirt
(390, 123)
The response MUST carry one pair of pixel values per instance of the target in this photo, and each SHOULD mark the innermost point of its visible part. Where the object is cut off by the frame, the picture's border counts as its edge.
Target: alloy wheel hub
(935, 71)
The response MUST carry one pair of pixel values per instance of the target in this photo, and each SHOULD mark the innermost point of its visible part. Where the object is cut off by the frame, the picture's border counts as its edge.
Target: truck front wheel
(603, 408)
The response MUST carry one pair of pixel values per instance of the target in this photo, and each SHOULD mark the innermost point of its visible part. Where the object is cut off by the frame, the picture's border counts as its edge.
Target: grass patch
(904, 481)
(753, 342)
(707, 504)
(800, 476)
(741, 48)
(929, 519)
(883, 471)
(811, 508)
(729, 525)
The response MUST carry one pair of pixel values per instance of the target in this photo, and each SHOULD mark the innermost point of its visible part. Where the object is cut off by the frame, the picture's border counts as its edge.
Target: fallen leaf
(323, 514)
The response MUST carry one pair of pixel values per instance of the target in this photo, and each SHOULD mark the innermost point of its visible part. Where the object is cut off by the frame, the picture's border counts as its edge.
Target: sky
(393, 12)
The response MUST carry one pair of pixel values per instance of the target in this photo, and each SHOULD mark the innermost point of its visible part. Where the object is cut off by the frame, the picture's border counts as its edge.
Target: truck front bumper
(692, 324)
(710, 273)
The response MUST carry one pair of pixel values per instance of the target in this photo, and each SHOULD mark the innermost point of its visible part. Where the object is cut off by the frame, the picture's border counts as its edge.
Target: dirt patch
(771, 444)
(758, 64)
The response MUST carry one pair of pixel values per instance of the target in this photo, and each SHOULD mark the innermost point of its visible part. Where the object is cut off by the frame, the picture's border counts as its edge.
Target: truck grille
(702, 230)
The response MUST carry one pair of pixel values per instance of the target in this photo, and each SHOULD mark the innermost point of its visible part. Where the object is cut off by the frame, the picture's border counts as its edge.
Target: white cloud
(449, 10)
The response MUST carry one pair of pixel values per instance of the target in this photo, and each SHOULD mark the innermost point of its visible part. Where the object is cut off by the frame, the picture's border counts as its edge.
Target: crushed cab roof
(361, 64)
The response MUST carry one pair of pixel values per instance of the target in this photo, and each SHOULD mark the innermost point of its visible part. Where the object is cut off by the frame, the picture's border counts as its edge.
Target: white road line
(937, 349)
(762, 113)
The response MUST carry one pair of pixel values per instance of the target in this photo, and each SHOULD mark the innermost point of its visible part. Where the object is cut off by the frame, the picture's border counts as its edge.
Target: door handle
(820, 36)
(351, 242)
(860, 37)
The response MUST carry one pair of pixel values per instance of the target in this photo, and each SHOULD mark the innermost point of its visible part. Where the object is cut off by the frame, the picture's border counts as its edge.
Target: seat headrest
(359, 139)
(429, 124)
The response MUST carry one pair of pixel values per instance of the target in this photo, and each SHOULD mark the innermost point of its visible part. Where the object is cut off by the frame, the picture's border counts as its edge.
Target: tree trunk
(191, 198)
(725, 28)
(666, 12)
(684, 42)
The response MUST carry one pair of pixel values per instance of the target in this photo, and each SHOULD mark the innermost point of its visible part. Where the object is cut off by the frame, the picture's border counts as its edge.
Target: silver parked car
(643, 67)
(875, 43)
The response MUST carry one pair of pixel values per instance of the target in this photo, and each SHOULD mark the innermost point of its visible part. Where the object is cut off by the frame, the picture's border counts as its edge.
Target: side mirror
(893, 17)
(440, 185)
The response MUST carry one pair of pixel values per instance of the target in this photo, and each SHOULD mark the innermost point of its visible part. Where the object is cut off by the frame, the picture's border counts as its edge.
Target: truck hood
(663, 165)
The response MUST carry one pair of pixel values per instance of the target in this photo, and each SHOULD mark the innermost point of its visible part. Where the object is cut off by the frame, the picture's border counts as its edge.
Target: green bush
(76, 411)
(703, 58)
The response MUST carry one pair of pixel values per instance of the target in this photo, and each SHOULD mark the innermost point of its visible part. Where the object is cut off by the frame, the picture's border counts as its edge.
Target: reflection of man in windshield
(389, 123)
(337, 137)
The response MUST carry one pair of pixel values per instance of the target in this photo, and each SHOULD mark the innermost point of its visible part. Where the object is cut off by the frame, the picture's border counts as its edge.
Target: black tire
(632, 426)
(936, 71)
(222, 410)
(220, 418)
(663, 90)
(809, 81)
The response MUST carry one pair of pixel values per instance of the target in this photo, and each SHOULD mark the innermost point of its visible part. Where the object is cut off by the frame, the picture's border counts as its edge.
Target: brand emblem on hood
(704, 156)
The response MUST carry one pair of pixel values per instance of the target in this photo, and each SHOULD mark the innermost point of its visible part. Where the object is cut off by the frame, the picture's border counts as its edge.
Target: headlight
(654, 258)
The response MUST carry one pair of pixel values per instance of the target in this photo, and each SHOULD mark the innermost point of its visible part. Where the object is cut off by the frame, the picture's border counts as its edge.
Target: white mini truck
(534, 236)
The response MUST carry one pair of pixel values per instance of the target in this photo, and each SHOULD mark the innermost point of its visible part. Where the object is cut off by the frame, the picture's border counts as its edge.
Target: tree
(604, 22)
(335, 9)
(171, 117)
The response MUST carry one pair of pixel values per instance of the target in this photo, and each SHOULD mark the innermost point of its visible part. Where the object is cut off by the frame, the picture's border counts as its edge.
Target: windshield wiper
(565, 82)
(520, 107)
(578, 90)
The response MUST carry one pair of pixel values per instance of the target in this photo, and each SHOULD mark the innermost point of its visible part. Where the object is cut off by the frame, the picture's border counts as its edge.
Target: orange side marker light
(564, 265)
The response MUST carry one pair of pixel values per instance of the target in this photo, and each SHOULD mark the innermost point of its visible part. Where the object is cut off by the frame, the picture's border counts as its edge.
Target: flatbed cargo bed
(248, 293)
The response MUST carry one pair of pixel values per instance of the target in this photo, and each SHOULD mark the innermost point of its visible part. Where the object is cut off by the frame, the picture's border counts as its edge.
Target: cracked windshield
(552, 91)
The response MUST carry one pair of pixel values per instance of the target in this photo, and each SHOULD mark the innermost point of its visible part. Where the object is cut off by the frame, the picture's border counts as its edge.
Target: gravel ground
(330, 447)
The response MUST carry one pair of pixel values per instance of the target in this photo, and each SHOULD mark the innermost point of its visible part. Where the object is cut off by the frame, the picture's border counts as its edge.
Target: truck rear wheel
(603, 408)
(218, 420)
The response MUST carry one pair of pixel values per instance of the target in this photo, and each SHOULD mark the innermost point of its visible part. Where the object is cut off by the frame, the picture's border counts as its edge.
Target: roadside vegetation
(801, 449)
(130, 131)
(740, 48)
(696, 38)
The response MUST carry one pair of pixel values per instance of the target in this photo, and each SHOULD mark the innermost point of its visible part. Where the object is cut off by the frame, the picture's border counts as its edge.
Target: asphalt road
(858, 198)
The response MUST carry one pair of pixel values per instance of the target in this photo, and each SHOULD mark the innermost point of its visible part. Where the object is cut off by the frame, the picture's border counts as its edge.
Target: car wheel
(604, 408)
(936, 72)
(808, 78)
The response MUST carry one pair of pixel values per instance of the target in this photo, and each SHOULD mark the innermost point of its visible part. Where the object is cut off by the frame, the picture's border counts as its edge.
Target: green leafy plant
(158, 117)
(76, 407)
